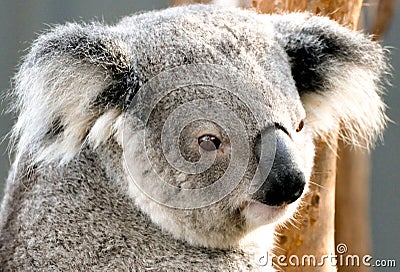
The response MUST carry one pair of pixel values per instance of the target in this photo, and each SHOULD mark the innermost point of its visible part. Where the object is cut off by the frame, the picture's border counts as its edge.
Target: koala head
(211, 112)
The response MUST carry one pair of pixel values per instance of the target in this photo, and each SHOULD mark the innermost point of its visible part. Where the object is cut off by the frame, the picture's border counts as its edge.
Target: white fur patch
(228, 3)
(351, 106)
(259, 243)
(56, 92)
(103, 128)
(137, 166)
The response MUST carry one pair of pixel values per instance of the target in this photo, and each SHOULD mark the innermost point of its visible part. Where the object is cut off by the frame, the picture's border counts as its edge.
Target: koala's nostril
(281, 189)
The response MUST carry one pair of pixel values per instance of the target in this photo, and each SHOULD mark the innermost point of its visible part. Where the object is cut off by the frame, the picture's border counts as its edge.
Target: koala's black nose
(285, 182)
(282, 186)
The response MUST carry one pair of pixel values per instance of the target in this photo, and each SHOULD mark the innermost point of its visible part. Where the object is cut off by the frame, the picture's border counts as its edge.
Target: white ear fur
(339, 75)
(54, 91)
(351, 107)
(103, 128)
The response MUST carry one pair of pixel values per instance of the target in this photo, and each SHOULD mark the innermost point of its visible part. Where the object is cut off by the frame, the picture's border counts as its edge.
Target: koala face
(230, 145)
(199, 138)
(214, 109)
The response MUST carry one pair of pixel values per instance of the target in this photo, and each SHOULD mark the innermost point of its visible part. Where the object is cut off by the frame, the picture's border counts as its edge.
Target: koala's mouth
(259, 214)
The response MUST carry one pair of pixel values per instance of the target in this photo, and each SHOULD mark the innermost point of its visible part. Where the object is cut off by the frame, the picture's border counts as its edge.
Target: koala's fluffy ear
(69, 90)
(338, 73)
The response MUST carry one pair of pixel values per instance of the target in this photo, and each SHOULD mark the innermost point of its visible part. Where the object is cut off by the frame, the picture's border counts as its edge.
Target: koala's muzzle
(285, 182)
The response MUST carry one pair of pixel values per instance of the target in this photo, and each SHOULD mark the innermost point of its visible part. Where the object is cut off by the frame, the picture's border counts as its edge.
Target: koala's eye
(300, 127)
(209, 143)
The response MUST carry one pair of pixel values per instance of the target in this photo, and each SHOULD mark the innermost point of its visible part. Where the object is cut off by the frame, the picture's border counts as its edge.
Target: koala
(177, 140)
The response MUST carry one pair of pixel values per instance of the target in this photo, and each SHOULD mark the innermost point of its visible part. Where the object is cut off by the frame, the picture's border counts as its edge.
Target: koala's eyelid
(209, 132)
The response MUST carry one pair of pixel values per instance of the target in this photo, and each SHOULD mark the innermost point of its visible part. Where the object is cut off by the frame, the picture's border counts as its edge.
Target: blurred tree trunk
(383, 18)
(352, 202)
(345, 12)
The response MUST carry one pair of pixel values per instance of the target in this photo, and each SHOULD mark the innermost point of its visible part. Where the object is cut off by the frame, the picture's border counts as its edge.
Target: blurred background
(22, 21)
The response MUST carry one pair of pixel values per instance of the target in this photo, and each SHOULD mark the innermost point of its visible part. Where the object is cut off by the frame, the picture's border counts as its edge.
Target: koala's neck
(78, 216)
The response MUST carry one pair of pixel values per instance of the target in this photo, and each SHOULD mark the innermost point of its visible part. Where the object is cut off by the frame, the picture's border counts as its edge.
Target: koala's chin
(258, 214)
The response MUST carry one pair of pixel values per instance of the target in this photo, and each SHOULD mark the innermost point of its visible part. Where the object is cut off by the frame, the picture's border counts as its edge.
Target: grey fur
(69, 203)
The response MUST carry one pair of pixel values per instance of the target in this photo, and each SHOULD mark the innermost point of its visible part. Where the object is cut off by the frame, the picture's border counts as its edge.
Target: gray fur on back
(69, 205)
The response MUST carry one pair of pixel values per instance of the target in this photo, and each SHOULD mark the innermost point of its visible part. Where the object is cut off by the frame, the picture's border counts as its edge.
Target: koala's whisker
(318, 185)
